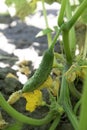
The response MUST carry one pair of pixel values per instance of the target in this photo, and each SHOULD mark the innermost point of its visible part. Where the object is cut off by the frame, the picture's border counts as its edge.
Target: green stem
(67, 47)
(72, 39)
(55, 122)
(63, 84)
(85, 45)
(69, 37)
(77, 106)
(68, 10)
(55, 38)
(64, 100)
(74, 91)
(46, 22)
(15, 126)
(83, 113)
(79, 11)
(62, 12)
(71, 115)
(22, 118)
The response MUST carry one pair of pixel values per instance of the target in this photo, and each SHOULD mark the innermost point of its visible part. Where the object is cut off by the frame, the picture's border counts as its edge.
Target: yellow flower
(47, 83)
(34, 99)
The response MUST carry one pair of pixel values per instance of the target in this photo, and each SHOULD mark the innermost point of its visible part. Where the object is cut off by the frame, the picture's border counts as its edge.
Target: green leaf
(22, 7)
(84, 17)
(44, 32)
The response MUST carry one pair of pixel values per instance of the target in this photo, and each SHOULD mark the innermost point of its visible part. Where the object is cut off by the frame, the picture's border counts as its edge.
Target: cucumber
(42, 73)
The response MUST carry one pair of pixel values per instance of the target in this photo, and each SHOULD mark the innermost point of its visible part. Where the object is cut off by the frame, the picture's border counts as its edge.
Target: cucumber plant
(62, 104)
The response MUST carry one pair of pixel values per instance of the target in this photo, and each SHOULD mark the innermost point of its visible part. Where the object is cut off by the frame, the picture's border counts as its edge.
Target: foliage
(66, 68)
(22, 7)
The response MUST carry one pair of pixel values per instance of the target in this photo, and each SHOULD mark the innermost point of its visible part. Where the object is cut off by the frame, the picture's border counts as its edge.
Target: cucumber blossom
(42, 73)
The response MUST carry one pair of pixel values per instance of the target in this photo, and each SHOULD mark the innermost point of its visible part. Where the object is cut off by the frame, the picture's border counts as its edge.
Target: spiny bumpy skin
(41, 73)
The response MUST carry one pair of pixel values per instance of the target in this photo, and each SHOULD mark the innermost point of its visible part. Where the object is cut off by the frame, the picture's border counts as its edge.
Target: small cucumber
(42, 73)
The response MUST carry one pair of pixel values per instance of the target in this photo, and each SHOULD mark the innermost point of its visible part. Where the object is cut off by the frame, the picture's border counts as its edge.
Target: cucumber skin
(41, 74)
